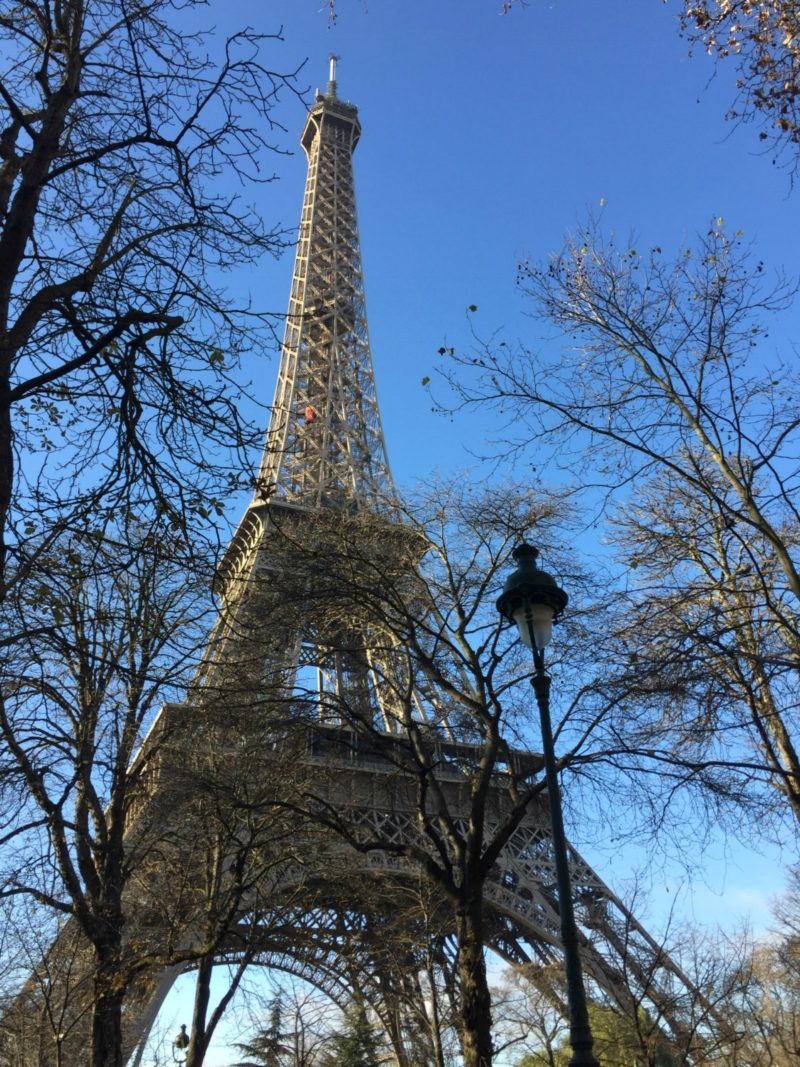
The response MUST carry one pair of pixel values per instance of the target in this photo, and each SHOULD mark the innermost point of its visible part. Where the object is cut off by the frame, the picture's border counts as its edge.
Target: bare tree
(31, 972)
(729, 1016)
(771, 1003)
(154, 835)
(531, 1020)
(753, 983)
(762, 37)
(108, 632)
(663, 400)
(120, 140)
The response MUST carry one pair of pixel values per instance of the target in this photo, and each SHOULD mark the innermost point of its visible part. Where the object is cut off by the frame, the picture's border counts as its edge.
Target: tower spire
(331, 93)
(325, 443)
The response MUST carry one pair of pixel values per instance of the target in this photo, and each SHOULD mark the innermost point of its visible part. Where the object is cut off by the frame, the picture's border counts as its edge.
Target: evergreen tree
(357, 1046)
(264, 1050)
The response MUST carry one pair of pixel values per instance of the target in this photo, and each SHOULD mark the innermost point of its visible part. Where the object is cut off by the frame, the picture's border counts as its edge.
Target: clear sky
(485, 137)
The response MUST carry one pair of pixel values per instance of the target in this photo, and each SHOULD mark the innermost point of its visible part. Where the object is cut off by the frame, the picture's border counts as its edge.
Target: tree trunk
(109, 993)
(475, 1000)
(200, 1037)
(434, 1026)
(6, 476)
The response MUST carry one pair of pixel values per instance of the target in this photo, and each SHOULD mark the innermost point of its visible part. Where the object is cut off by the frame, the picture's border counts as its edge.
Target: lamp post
(533, 601)
(180, 1045)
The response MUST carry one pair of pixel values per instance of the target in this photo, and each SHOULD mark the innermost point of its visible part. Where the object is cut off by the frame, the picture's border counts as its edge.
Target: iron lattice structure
(325, 443)
(325, 454)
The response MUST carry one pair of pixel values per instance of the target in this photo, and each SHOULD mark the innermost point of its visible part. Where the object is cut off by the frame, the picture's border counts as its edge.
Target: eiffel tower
(275, 681)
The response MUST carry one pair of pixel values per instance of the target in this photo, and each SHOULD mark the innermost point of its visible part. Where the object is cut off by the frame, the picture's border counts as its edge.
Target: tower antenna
(331, 93)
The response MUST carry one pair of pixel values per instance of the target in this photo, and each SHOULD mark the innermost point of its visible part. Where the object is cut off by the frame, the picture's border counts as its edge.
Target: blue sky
(485, 138)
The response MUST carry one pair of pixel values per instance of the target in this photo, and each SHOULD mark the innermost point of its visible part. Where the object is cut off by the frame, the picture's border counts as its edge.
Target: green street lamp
(533, 601)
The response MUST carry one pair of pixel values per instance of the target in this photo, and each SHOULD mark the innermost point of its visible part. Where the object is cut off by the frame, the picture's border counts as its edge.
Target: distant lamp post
(533, 601)
(180, 1045)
